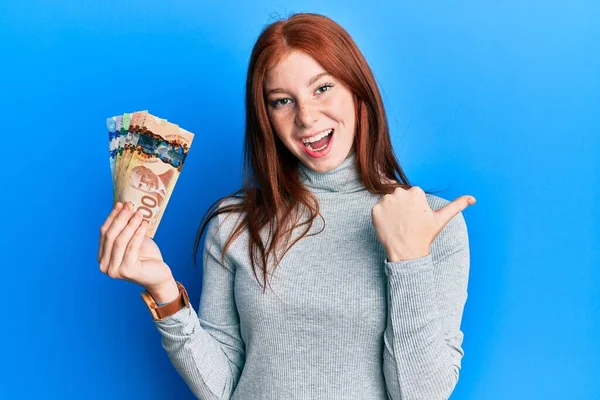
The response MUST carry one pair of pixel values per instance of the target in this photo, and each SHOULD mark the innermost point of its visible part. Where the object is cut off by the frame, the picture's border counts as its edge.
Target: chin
(332, 162)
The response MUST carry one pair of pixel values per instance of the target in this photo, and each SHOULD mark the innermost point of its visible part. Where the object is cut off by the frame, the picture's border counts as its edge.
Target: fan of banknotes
(146, 154)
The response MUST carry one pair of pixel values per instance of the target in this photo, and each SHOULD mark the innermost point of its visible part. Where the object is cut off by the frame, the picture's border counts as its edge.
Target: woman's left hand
(406, 225)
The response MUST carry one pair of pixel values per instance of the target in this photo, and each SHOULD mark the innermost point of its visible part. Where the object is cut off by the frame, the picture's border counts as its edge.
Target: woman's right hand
(125, 252)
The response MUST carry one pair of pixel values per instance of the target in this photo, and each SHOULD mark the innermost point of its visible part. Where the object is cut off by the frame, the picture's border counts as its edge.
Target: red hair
(272, 192)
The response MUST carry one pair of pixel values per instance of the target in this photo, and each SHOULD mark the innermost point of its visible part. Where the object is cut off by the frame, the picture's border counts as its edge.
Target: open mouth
(318, 142)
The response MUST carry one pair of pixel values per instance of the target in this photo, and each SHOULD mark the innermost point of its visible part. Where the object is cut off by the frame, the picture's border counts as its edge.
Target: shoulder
(224, 215)
(218, 230)
(436, 202)
(223, 223)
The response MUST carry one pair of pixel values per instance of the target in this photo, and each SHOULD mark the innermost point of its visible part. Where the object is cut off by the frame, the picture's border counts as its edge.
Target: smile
(317, 136)
(317, 141)
(318, 145)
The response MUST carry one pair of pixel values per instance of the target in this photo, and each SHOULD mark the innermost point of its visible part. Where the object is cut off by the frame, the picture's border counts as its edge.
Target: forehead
(294, 69)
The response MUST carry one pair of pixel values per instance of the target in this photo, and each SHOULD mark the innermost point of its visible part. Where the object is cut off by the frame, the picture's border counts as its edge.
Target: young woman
(327, 275)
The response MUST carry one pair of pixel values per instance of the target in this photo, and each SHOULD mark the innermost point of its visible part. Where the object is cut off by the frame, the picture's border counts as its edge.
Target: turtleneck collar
(344, 178)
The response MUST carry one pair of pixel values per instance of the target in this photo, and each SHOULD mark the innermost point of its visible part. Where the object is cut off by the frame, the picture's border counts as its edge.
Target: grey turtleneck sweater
(341, 321)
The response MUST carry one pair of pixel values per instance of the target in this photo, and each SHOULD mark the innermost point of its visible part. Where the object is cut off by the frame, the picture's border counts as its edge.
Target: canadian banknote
(146, 156)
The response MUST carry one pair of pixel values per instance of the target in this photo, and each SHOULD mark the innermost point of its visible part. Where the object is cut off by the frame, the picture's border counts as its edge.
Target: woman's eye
(280, 102)
(324, 88)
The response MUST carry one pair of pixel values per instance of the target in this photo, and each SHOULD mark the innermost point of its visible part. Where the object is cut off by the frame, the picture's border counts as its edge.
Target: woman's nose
(306, 115)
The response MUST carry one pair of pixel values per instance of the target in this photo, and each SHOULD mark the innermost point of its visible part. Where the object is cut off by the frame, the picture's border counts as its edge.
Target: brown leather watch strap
(166, 310)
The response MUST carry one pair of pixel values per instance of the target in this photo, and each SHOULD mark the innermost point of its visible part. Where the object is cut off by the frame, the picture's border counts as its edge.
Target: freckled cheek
(345, 111)
(338, 108)
(334, 110)
(283, 124)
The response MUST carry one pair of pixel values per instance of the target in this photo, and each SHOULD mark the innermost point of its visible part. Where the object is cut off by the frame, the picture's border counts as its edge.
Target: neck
(344, 178)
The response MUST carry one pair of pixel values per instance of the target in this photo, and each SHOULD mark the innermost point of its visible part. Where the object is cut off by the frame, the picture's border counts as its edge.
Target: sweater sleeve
(426, 297)
(206, 348)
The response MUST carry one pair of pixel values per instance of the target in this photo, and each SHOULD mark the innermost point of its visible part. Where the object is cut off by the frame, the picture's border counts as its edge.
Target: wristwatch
(160, 312)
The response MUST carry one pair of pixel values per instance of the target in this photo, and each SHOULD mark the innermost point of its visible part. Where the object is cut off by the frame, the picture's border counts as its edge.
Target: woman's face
(305, 103)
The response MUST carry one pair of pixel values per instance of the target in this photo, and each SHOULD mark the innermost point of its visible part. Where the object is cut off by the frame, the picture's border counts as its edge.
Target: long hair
(271, 191)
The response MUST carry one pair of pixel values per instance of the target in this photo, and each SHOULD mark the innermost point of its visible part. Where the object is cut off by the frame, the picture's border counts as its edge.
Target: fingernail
(472, 200)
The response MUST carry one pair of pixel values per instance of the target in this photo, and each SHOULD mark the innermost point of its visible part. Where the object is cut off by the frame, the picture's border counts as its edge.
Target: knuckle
(113, 273)
(111, 235)
(131, 221)
(103, 230)
(125, 271)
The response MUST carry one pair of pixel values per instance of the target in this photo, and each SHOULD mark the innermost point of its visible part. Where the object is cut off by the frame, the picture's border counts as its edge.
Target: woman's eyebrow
(316, 78)
(310, 82)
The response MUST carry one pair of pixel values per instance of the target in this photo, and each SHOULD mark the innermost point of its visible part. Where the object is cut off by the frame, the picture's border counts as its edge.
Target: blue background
(500, 100)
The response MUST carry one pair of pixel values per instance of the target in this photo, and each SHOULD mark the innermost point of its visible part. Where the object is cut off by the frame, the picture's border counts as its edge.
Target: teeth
(319, 149)
(317, 137)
